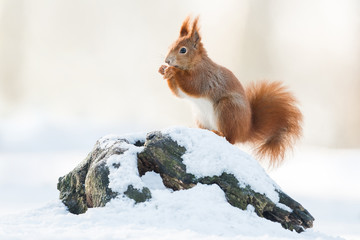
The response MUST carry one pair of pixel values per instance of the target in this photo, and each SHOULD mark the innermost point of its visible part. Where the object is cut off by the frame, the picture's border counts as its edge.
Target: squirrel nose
(167, 61)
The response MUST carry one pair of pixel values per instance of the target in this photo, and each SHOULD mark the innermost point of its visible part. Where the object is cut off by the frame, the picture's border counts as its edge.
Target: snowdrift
(128, 188)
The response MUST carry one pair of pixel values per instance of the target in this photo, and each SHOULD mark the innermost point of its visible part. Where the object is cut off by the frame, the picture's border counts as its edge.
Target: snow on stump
(183, 157)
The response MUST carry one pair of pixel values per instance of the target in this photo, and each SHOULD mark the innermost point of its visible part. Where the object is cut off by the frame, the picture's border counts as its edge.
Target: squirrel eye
(182, 50)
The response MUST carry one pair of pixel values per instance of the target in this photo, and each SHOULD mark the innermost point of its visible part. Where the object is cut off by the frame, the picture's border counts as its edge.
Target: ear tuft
(184, 31)
(195, 36)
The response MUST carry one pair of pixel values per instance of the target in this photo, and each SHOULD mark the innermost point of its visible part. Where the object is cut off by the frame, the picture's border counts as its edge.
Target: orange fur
(264, 114)
(276, 121)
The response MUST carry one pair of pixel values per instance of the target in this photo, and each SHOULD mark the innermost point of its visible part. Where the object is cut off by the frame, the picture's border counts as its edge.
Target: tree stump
(88, 184)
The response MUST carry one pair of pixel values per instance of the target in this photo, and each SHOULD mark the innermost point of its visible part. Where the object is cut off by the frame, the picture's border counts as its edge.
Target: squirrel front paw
(162, 69)
(169, 72)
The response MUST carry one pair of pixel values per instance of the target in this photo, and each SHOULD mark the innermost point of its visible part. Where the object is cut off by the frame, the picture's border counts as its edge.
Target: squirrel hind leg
(234, 118)
(212, 130)
(218, 133)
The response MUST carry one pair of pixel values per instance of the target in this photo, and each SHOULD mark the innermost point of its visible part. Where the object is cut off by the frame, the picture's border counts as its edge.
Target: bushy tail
(276, 120)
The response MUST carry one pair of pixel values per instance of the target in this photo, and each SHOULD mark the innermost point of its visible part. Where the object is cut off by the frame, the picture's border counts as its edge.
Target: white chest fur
(203, 110)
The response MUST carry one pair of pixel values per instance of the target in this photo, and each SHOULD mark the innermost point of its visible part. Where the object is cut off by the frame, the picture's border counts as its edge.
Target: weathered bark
(87, 185)
(163, 155)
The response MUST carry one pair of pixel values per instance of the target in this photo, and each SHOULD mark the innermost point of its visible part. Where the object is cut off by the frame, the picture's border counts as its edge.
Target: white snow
(207, 154)
(153, 181)
(201, 212)
(198, 213)
(127, 173)
(210, 155)
(111, 139)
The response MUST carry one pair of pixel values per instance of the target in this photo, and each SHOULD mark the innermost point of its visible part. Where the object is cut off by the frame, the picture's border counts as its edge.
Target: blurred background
(92, 65)
(74, 71)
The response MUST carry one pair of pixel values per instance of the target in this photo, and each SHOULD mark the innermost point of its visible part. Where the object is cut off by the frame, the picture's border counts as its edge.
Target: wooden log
(163, 155)
(88, 184)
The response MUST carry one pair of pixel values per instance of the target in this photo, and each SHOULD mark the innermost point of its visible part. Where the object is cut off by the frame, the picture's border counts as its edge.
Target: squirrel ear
(184, 31)
(195, 36)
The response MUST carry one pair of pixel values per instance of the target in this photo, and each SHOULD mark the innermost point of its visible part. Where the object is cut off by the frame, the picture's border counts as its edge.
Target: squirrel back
(264, 114)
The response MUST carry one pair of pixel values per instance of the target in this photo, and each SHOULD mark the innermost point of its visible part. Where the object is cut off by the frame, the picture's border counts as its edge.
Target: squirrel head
(187, 50)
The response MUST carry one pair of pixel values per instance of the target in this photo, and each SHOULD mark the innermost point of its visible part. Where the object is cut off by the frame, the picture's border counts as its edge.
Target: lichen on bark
(138, 195)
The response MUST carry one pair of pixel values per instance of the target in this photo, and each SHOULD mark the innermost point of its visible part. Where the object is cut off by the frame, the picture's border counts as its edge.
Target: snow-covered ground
(327, 183)
(324, 181)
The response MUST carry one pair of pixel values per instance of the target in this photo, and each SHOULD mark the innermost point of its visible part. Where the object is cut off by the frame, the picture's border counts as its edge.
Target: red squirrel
(264, 114)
